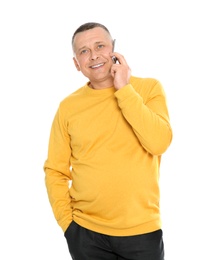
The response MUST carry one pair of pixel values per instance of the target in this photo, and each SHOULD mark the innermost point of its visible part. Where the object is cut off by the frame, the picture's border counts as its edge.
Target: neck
(100, 85)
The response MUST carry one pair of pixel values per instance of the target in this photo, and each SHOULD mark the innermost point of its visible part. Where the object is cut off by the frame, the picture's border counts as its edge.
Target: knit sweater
(105, 147)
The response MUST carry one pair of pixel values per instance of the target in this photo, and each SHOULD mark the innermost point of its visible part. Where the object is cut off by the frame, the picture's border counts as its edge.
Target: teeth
(96, 66)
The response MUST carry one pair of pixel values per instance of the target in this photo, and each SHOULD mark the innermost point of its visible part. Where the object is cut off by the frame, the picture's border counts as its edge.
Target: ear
(76, 64)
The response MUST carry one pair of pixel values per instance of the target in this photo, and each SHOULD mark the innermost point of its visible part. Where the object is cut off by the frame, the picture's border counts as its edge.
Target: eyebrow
(84, 47)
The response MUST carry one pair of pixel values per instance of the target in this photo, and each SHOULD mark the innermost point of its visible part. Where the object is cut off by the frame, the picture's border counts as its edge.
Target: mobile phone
(114, 59)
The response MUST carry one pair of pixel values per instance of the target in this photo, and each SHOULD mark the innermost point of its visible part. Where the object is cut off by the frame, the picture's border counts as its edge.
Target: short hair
(88, 26)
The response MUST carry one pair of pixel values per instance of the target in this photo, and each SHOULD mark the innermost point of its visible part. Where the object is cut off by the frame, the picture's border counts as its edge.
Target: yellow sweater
(109, 144)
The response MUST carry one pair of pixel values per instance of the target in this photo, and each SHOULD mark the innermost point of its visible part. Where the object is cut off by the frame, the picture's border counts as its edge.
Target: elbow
(161, 143)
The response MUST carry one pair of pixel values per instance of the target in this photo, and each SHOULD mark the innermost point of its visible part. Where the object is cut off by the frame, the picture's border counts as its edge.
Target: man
(106, 142)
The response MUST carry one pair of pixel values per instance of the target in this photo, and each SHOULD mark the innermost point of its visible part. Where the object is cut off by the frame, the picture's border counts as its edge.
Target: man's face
(92, 54)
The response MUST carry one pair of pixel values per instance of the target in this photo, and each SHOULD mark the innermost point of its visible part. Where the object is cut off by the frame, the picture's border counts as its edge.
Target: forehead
(91, 36)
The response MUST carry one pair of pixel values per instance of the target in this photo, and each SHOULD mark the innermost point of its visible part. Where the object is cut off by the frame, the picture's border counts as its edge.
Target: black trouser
(85, 244)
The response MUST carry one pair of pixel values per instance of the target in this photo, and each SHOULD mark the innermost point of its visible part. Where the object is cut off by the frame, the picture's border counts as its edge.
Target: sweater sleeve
(147, 113)
(57, 172)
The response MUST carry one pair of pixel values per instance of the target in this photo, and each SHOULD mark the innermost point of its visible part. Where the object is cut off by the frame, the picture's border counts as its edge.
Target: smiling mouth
(97, 66)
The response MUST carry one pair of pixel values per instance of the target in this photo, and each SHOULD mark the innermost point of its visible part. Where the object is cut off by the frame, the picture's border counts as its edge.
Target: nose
(94, 55)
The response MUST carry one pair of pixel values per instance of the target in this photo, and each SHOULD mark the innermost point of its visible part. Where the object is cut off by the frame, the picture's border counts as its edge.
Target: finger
(119, 57)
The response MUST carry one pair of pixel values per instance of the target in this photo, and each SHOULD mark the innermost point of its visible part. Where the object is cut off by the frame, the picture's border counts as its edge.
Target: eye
(84, 51)
(100, 46)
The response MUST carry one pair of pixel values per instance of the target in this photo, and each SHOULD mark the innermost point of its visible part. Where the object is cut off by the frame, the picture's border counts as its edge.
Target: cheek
(83, 63)
(82, 59)
(106, 56)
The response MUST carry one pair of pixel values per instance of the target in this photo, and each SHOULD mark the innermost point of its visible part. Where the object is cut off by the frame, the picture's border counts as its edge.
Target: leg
(140, 247)
(84, 244)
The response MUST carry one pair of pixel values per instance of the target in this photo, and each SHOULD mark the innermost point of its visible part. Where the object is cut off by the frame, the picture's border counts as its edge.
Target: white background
(160, 39)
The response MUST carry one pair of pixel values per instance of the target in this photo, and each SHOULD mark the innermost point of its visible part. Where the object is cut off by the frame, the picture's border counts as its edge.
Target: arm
(57, 172)
(147, 113)
(144, 108)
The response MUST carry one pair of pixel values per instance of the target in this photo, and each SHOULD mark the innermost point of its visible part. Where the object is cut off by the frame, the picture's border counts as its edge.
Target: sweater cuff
(125, 92)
